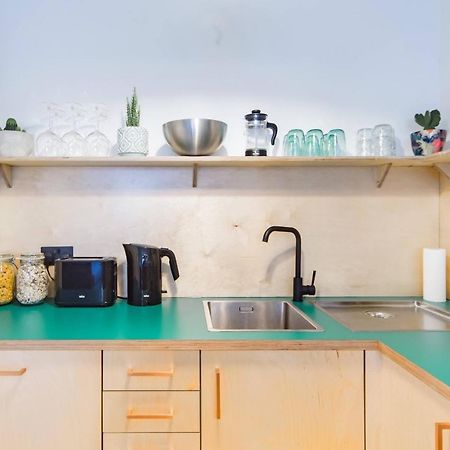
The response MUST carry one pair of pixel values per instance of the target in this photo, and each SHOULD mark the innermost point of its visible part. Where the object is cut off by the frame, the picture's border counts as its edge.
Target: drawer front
(151, 441)
(158, 370)
(158, 411)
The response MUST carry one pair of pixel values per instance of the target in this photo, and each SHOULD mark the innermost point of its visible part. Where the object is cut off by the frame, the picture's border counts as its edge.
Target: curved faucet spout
(298, 244)
(299, 288)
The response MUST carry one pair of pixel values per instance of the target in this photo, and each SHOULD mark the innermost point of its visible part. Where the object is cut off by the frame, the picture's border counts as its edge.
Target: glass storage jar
(32, 280)
(7, 278)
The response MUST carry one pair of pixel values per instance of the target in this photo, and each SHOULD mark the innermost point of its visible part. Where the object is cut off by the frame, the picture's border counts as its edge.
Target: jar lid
(31, 257)
(256, 114)
(6, 257)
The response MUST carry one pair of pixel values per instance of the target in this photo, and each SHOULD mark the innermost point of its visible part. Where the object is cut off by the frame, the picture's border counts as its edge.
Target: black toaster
(89, 281)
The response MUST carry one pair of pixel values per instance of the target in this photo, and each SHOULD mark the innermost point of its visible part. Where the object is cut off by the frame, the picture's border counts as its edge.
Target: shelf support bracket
(444, 168)
(194, 175)
(7, 174)
(381, 173)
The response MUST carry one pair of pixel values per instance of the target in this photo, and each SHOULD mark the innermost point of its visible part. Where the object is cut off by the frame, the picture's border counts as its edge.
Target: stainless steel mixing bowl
(195, 137)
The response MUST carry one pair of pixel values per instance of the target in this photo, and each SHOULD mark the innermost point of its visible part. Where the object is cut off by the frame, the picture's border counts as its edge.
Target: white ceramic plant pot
(15, 144)
(132, 141)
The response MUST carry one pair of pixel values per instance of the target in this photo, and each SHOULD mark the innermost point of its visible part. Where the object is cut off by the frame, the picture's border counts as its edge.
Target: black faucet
(299, 289)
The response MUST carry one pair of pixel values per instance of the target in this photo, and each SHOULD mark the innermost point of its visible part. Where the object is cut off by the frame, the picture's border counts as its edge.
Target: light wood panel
(151, 441)
(151, 411)
(55, 404)
(401, 411)
(216, 231)
(382, 165)
(286, 400)
(226, 161)
(445, 223)
(151, 370)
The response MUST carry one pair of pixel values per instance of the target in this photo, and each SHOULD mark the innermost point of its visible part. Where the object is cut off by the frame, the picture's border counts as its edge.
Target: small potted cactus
(15, 142)
(132, 139)
(429, 140)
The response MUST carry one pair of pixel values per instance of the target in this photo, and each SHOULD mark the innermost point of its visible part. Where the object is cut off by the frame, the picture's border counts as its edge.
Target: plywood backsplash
(360, 239)
(445, 223)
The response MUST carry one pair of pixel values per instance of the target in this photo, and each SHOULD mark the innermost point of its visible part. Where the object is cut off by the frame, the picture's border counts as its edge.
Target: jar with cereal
(7, 278)
(32, 280)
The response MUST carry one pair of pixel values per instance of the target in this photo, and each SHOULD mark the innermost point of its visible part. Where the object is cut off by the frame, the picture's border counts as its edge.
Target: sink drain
(379, 314)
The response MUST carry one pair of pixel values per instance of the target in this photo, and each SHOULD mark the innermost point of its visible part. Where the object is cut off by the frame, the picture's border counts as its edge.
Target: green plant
(133, 111)
(11, 125)
(429, 120)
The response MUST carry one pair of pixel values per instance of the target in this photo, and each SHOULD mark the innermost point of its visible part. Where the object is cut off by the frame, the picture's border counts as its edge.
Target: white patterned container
(15, 144)
(132, 141)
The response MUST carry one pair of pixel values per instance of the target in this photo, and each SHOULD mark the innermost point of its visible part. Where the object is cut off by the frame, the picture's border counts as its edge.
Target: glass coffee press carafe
(257, 133)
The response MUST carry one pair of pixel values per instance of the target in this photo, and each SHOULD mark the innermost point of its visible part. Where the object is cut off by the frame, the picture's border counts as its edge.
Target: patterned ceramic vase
(426, 142)
(132, 141)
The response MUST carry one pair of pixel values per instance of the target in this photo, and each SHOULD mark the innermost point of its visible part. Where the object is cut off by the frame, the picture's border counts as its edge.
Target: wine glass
(76, 143)
(98, 144)
(48, 143)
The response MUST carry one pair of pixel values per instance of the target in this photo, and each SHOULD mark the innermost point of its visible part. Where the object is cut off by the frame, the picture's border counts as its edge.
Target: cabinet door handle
(218, 402)
(439, 431)
(136, 415)
(13, 373)
(150, 373)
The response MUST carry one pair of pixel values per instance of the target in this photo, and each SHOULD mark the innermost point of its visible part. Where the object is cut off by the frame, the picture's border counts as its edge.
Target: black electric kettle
(144, 273)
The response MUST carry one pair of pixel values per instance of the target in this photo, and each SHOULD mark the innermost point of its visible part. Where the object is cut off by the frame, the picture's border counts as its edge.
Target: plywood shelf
(381, 165)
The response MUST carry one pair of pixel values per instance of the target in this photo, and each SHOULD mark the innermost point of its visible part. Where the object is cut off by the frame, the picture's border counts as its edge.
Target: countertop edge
(415, 370)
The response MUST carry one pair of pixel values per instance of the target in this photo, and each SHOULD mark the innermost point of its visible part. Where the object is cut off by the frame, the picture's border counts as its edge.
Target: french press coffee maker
(257, 133)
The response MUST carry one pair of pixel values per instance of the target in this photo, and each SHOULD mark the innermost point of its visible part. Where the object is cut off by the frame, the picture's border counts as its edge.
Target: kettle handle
(172, 261)
(274, 129)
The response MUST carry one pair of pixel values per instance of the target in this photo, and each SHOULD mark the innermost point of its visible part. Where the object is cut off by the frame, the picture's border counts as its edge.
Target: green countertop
(183, 319)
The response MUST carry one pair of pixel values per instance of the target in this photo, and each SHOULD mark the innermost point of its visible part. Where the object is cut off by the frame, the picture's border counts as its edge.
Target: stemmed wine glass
(76, 143)
(98, 144)
(49, 143)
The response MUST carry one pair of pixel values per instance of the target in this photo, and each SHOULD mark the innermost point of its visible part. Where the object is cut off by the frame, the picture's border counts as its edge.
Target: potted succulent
(132, 139)
(15, 142)
(429, 140)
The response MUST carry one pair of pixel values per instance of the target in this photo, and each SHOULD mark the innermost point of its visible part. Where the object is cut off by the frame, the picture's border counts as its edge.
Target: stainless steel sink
(387, 315)
(261, 315)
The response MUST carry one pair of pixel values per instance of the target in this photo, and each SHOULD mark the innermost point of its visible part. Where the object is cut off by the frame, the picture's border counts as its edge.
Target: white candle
(434, 274)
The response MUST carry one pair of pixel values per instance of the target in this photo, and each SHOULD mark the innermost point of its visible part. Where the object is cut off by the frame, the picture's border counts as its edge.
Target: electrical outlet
(51, 254)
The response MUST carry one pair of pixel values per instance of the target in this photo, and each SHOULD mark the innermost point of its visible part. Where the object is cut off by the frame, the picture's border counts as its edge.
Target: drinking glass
(294, 143)
(314, 142)
(334, 143)
(98, 143)
(49, 143)
(76, 143)
(364, 142)
(383, 140)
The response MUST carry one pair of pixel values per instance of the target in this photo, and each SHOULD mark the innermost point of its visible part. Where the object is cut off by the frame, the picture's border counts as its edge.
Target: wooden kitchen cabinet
(272, 400)
(402, 411)
(50, 400)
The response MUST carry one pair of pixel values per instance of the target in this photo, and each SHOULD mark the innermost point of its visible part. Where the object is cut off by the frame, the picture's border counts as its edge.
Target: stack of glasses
(376, 141)
(314, 143)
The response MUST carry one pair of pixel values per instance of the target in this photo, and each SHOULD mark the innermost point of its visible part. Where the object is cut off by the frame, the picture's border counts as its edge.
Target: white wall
(309, 64)
(326, 64)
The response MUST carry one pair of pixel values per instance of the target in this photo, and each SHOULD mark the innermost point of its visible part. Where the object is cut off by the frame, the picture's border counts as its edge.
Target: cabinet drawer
(151, 441)
(151, 370)
(161, 411)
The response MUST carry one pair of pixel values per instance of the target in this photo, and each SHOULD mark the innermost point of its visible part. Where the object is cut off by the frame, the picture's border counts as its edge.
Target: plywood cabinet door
(272, 400)
(402, 411)
(50, 400)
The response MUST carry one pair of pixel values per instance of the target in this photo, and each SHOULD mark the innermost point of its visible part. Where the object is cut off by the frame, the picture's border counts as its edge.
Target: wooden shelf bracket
(444, 168)
(194, 175)
(7, 174)
(381, 173)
